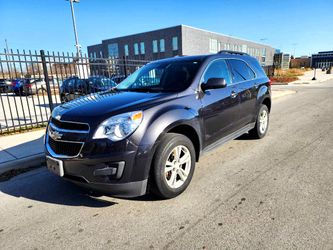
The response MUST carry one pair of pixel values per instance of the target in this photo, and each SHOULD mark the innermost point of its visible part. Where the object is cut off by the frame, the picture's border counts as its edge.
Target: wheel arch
(191, 133)
(267, 101)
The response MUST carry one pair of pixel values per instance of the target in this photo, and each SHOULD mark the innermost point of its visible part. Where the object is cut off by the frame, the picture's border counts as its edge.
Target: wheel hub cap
(263, 121)
(177, 166)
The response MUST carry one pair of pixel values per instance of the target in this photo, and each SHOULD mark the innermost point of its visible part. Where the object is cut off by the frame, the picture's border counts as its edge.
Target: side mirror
(214, 83)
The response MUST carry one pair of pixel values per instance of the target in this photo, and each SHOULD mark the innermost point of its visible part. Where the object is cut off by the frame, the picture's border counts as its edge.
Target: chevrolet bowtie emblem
(55, 135)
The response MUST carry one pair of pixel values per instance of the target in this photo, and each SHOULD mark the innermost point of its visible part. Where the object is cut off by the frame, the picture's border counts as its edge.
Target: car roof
(222, 54)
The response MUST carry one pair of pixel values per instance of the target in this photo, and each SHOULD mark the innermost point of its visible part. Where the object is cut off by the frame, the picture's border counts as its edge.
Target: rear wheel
(173, 165)
(262, 122)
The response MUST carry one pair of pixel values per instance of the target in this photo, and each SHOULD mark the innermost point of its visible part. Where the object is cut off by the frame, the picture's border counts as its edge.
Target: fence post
(47, 80)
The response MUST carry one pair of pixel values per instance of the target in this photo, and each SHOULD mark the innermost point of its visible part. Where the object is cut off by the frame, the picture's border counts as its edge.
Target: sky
(300, 26)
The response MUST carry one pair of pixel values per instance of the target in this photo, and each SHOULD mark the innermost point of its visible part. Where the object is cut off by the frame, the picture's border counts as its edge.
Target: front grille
(70, 125)
(64, 148)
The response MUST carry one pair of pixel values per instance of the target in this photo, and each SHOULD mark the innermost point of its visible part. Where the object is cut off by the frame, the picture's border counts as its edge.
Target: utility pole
(77, 45)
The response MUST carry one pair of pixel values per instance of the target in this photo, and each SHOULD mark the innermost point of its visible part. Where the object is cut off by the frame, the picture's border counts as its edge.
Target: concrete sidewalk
(321, 76)
(21, 150)
(27, 150)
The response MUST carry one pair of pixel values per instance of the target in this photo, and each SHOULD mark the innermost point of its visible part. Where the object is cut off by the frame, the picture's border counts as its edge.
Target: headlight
(119, 127)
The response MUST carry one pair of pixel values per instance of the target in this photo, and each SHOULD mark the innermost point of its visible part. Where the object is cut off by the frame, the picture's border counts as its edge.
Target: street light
(77, 45)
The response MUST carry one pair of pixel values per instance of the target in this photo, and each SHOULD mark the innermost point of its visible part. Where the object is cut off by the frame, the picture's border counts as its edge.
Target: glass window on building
(142, 48)
(175, 43)
(113, 50)
(95, 55)
(100, 54)
(220, 46)
(155, 48)
(162, 45)
(136, 49)
(264, 52)
(126, 50)
(91, 55)
(244, 48)
(213, 45)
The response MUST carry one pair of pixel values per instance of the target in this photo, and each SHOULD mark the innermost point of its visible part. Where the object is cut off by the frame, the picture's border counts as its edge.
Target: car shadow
(245, 137)
(41, 185)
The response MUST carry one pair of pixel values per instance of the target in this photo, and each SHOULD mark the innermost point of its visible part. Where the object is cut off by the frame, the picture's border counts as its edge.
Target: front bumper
(117, 170)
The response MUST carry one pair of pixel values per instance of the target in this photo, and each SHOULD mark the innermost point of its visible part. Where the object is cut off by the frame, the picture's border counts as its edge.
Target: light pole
(77, 45)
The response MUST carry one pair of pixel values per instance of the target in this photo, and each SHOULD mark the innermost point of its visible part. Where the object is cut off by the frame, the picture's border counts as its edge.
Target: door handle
(233, 94)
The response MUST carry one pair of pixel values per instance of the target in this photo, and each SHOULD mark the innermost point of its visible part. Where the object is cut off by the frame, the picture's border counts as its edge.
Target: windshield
(169, 76)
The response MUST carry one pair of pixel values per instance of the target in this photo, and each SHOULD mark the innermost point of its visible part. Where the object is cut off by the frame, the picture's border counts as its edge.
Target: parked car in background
(5, 85)
(38, 86)
(21, 87)
(73, 87)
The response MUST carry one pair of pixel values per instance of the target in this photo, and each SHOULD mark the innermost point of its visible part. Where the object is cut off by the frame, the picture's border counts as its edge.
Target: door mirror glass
(214, 83)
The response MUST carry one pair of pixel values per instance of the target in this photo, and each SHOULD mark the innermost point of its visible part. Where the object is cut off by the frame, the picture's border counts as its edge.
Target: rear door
(245, 78)
(219, 106)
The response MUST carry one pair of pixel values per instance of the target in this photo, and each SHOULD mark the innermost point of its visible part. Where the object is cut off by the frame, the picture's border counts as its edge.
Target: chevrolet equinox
(146, 133)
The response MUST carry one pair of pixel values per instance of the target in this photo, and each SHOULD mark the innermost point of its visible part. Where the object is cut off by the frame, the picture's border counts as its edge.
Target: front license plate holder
(55, 166)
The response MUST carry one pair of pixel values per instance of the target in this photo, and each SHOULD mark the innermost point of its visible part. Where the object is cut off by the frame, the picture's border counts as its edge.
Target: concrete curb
(36, 160)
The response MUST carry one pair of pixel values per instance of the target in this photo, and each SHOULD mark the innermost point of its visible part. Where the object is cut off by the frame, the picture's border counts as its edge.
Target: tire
(170, 183)
(261, 128)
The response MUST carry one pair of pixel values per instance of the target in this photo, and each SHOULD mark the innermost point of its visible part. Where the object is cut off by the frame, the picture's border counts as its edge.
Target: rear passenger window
(218, 69)
(240, 71)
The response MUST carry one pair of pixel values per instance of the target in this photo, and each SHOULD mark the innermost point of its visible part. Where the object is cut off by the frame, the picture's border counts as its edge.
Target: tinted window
(217, 69)
(241, 71)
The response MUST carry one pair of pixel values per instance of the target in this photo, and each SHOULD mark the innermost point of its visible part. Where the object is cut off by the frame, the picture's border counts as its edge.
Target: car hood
(97, 107)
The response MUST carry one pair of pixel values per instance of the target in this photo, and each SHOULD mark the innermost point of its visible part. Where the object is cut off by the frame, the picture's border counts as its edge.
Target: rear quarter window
(240, 71)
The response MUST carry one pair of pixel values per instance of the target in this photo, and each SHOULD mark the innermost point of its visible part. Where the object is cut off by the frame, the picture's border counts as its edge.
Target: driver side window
(217, 69)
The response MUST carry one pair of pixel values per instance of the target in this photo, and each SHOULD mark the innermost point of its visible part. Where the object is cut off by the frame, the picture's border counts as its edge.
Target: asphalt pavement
(274, 193)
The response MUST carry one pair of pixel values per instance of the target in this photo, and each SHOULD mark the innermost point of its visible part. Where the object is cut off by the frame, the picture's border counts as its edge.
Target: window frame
(155, 42)
(162, 41)
(142, 48)
(136, 49)
(126, 50)
(231, 70)
(174, 42)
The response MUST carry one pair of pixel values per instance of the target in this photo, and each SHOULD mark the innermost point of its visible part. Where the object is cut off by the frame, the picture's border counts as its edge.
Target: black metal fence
(32, 83)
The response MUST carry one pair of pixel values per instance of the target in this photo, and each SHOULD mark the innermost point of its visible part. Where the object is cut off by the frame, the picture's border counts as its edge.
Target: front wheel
(173, 165)
(262, 122)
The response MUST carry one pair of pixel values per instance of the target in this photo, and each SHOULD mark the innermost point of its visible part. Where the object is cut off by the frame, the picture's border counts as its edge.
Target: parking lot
(274, 193)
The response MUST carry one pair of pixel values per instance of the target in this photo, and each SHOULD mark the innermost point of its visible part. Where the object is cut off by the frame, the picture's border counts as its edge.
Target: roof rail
(232, 52)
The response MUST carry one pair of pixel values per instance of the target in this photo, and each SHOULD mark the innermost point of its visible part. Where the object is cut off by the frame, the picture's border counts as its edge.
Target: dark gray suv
(147, 133)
